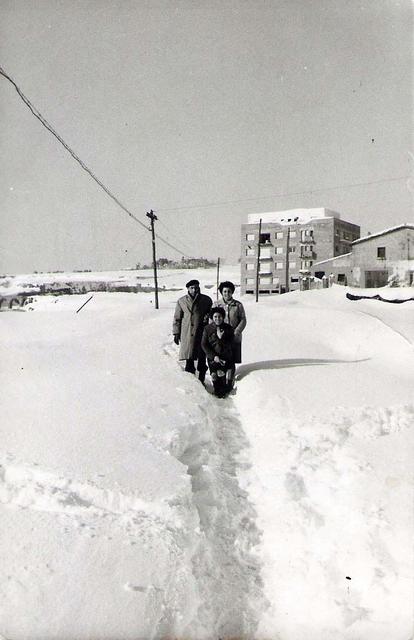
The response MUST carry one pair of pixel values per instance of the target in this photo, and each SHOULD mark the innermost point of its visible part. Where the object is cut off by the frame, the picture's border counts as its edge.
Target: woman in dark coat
(235, 316)
(217, 343)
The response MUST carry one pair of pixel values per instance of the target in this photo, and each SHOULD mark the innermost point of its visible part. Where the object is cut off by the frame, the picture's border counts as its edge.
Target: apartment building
(290, 243)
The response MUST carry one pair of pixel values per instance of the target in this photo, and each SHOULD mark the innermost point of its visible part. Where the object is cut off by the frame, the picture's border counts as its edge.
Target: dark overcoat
(236, 317)
(190, 318)
(214, 346)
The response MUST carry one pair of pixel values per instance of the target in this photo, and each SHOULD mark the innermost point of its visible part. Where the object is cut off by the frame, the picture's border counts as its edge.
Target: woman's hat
(226, 284)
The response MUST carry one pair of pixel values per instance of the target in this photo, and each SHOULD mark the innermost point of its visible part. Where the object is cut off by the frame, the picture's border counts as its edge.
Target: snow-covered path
(135, 505)
(226, 569)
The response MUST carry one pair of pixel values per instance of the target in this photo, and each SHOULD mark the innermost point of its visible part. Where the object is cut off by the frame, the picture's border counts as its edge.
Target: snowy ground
(135, 505)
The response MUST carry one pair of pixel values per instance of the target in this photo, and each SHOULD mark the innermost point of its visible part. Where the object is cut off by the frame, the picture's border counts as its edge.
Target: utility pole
(287, 260)
(218, 277)
(258, 261)
(151, 215)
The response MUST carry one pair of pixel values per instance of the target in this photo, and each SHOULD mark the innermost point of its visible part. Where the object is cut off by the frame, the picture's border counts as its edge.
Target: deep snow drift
(136, 505)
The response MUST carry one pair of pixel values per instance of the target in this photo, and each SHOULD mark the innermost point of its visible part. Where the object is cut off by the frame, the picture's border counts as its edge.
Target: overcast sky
(178, 104)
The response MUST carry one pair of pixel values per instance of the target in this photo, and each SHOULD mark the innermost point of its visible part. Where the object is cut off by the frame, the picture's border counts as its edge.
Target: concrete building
(374, 260)
(290, 243)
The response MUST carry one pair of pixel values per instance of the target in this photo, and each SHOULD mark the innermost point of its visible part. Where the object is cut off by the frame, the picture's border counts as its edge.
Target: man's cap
(192, 283)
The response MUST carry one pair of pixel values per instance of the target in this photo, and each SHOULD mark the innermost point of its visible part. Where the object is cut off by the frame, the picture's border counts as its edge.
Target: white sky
(174, 104)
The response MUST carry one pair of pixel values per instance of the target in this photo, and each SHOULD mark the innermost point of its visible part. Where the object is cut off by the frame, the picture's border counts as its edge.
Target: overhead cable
(170, 233)
(280, 195)
(49, 127)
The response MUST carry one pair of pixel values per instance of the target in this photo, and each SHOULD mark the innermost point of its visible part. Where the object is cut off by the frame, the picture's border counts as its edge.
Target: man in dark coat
(190, 318)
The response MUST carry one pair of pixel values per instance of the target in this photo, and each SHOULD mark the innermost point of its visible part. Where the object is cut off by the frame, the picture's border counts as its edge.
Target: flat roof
(292, 215)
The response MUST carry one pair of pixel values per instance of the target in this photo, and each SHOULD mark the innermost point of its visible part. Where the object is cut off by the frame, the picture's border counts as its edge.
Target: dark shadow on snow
(244, 369)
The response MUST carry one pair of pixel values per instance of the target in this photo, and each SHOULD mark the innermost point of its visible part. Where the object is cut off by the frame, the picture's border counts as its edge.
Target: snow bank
(326, 399)
(91, 476)
(136, 505)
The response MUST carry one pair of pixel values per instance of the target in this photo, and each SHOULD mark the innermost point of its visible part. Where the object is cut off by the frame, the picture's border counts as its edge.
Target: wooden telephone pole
(258, 261)
(287, 287)
(218, 277)
(151, 215)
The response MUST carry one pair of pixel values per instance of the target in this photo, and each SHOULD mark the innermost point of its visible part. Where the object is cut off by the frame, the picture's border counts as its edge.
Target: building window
(279, 265)
(249, 280)
(306, 264)
(276, 280)
(265, 280)
(250, 236)
(279, 235)
(381, 253)
(293, 234)
(250, 266)
(249, 252)
(294, 279)
(292, 265)
(306, 234)
(292, 249)
(279, 250)
(265, 238)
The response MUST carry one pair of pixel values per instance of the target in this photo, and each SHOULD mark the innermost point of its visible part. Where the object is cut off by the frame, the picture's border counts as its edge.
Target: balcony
(266, 253)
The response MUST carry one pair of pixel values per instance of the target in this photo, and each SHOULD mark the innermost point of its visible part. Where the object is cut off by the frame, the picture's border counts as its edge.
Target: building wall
(309, 242)
(344, 235)
(398, 247)
(340, 268)
(365, 266)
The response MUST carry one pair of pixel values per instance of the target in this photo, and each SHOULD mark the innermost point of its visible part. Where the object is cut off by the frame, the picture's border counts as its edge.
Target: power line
(170, 233)
(281, 195)
(49, 127)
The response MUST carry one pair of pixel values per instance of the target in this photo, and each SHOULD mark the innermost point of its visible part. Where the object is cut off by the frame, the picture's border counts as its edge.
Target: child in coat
(217, 343)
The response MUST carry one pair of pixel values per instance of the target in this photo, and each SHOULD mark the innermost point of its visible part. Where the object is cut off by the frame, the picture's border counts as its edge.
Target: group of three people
(213, 332)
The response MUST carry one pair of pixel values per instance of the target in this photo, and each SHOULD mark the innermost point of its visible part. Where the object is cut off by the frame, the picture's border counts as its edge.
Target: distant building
(290, 243)
(375, 260)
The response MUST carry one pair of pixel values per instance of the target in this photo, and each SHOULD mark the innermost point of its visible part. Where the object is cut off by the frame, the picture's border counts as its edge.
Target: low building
(290, 243)
(374, 260)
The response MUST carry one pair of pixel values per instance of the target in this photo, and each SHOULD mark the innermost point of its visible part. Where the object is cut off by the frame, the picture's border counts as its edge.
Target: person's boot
(189, 366)
(202, 376)
(220, 386)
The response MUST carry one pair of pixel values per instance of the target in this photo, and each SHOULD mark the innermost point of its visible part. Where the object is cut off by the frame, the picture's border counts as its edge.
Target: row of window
(305, 264)
(266, 252)
(346, 235)
(305, 234)
(269, 280)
